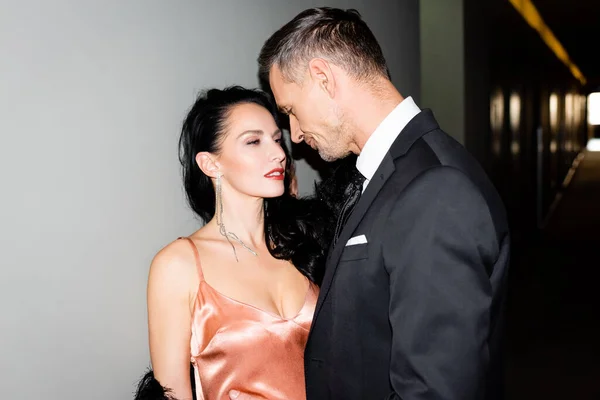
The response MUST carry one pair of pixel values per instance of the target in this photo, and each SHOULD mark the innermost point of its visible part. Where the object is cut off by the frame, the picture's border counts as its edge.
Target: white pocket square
(362, 239)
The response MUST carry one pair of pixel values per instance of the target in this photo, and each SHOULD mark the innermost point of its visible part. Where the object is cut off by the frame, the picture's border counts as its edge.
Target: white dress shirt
(383, 137)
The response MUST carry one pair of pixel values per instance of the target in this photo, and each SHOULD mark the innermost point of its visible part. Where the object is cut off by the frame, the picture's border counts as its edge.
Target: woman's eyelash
(257, 141)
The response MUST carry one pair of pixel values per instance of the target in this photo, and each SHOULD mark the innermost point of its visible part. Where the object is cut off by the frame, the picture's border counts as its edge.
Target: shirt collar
(381, 140)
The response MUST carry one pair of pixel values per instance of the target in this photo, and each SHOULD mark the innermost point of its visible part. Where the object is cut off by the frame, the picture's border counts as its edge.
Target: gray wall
(442, 63)
(455, 70)
(92, 97)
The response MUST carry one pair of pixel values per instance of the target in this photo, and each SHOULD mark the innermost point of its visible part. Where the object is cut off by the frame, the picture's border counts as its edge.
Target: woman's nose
(277, 153)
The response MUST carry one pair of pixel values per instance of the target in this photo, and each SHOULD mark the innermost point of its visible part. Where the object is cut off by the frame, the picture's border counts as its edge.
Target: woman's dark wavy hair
(298, 230)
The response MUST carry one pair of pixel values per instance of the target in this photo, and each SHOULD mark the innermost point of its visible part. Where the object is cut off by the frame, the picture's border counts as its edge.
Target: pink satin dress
(238, 346)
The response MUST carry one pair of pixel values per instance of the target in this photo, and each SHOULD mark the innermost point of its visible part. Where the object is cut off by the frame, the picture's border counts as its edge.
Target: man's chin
(327, 157)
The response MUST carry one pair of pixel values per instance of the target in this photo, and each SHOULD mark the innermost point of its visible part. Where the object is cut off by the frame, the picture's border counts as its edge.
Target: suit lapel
(421, 124)
(383, 173)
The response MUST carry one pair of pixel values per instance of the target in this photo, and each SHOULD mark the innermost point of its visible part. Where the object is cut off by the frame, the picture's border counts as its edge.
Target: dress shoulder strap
(196, 256)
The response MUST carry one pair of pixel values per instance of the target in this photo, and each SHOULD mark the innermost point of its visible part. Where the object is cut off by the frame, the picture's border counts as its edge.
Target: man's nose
(295, 131)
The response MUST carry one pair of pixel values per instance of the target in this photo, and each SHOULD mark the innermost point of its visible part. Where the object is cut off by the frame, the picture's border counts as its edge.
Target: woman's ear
(206, 163)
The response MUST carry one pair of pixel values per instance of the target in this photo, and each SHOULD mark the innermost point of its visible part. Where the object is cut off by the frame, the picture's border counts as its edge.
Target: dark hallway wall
(524, 112)
(536, 130)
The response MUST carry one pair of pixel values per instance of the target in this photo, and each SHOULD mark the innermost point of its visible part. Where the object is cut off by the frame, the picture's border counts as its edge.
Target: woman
(236, 298)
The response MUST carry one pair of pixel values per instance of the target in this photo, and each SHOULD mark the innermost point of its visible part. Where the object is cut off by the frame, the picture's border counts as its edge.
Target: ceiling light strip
(535, 20)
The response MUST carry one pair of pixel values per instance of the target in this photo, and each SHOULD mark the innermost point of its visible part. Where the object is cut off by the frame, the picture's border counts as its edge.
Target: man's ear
(322, 74)
(206, 163)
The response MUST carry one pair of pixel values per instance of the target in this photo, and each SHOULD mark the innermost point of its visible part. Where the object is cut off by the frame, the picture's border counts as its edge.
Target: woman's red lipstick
(277, 174)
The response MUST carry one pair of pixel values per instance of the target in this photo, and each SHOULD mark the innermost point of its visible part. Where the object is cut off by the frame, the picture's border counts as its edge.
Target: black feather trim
(149, 388)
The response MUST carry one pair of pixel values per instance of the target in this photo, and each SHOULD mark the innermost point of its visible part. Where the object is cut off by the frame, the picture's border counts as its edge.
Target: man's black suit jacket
(415, 313)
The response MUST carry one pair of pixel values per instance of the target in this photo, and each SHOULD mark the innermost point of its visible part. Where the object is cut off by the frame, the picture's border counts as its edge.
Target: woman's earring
(218, 200)
(219, 215)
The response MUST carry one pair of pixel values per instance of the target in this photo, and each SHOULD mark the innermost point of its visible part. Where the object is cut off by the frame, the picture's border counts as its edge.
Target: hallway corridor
(554, 299)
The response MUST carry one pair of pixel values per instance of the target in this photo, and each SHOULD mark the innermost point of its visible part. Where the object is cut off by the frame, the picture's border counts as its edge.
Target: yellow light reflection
(496, 120)
(593, 105)
(553, 111)
(515, 122)
(593, 145)
(515, 111)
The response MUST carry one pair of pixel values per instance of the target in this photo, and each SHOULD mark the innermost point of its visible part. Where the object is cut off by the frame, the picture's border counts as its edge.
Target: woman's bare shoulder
(174, 265)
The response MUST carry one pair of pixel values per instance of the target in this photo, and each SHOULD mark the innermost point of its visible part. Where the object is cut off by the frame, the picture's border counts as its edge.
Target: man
(411, 303)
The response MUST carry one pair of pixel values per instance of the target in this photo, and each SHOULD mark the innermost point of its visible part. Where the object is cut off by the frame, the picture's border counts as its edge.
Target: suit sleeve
(439, 243)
